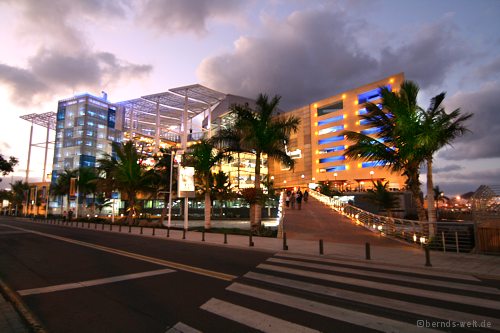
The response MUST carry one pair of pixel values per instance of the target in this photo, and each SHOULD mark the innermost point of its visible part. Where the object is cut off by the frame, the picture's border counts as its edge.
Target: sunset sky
(302, 50)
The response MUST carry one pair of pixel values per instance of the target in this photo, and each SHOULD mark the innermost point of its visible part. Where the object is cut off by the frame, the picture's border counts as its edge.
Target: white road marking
(416, 308)
(251, 318)
(388, 287)
(161, 262)
(388, 267)
(182, 328)
(438, 283)
(91, 283)
(329, 311)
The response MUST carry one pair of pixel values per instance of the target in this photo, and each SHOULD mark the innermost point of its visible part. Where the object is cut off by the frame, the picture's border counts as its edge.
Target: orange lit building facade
(318, 146)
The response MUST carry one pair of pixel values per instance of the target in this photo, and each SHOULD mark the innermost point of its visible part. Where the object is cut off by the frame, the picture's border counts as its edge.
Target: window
(332, 159)
(335, 168)
(330, 120)
(371, 95)
(337, 106)
(372, 164)
(332, 139)
(372, 130)
(87, 161)
(332, 129)
(331, 149)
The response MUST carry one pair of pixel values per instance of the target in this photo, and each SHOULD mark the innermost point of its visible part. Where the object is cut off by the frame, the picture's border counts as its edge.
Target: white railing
(409, 230)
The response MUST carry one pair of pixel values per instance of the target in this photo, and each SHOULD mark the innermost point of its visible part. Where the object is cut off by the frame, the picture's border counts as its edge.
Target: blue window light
(330, 120)
(332, 159)
(335, 168)
(331, 149)
(370, 131)
(330, 129)
(332, 139)
(371, 95)
(372, 164)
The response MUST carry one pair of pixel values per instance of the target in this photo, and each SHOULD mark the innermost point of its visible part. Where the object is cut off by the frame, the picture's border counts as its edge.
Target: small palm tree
(87, 184)
(19, 190)
(162, 170)
(126, 173)
(382, 197)
(62, 185)
(221, 188)
(260, 133)
(439, 130)
(203, 157)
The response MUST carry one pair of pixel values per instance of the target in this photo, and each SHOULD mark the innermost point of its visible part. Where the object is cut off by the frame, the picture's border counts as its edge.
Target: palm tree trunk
(208, 208)
(257, 218)
(431, 209)
(164, 209)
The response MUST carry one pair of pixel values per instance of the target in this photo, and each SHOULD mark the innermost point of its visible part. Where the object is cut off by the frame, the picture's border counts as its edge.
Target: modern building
(86, 126)
(318, 147)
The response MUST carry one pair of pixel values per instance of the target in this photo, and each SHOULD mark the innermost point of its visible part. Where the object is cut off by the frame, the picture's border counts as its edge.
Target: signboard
(186, 182)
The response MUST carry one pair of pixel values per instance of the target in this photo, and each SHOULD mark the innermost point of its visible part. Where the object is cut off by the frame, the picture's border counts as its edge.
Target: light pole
(172, 154)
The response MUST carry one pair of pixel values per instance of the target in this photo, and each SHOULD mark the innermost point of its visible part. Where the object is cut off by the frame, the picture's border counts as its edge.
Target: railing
(456, 237)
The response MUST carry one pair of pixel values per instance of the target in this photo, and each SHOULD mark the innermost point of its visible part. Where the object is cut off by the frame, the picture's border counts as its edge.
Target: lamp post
(169, 221)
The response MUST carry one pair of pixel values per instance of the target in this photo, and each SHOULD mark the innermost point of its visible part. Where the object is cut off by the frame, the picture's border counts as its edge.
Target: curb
(22, 309)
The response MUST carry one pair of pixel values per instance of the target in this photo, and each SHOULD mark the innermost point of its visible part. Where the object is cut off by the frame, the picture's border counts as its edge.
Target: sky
(302, 50)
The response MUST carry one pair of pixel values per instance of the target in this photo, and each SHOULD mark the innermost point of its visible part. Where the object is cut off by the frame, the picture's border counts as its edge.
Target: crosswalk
(295, 293)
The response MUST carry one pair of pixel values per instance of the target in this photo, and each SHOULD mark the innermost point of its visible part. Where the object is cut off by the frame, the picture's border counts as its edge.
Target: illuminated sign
(186, 182)
(297, 153)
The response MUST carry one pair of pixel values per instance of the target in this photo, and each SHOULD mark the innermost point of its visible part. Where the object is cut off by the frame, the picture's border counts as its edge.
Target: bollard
(95, 225)
(427, 257)
(203, 235)
(141, 230)
(111, 227)
(88, 225)
(102, 226)
(456, 242)
(119, 228)
(320, 246)
(285, 247)
(153, 231)
(183, 233)
(168, 232)
(250, 240)
(443, 240)
(129, 228)
(225, 237)
(367, 251)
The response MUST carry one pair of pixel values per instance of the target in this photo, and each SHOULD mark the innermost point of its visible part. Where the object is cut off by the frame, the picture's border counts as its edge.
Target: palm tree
(439, 129)
(62, 185)
(162, 170)
(126, 174)
(396, 145)
(87, 184)
(203, 158)
(260, 133)
(221, 188)
(382, 197)
(19, 192)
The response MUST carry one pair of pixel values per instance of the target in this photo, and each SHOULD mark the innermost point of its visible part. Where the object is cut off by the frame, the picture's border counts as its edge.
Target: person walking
(287, 199)
(306, 196)
(298, 198)
(292, 200)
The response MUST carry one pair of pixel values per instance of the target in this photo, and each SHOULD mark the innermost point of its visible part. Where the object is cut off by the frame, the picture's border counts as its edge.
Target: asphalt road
(81, 280)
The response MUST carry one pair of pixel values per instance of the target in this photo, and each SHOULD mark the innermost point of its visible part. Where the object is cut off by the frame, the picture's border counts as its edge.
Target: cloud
(447, 168)
(488, 71)
(314, 54)
(456, 183)
(50, 71)
(56, 20)
(483, 142)
(187, 16)
(309, 56)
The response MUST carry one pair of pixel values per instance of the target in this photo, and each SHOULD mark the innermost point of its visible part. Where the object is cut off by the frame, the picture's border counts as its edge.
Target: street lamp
(172, 154)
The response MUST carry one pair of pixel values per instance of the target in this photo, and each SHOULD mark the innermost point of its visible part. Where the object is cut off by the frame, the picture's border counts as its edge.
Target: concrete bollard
(111, 227)
(320, 246)
(427, 257)
(119, 228)
(285, 246)
(225, 237)
(183, 233)
(250, 239)
(203, 235)
(102, 226)
(141, 230)
(168, 232)
(153, 231)
(129, 228)
(95, 225)
(367, 251)
(88, 225)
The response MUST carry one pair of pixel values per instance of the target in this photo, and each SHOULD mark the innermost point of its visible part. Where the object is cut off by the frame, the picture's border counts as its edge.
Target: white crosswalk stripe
(333, 292)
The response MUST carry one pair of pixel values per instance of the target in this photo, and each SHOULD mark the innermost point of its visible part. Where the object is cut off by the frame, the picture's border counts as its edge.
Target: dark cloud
(456, 183)
(427, 56)
(51, 71)
(186, 16)
(488, 71)
(309, 56)
(315, 54)
(447, 168)
(484, 140)
(55, 20)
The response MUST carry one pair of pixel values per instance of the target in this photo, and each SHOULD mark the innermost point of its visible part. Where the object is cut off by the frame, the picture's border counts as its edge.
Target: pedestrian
(64, 216)
(306, 196)
(287, 199)
(70, 215)
(298, 198)
(292, 200)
